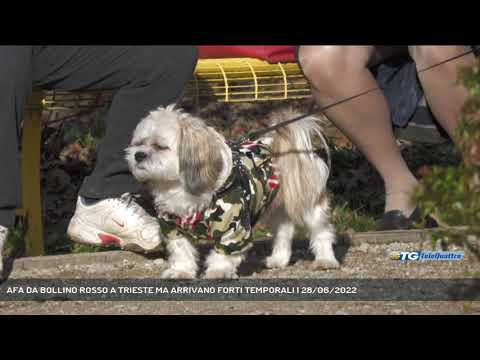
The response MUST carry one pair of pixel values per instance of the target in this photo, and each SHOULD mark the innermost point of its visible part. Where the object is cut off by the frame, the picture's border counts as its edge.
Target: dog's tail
(303, 173)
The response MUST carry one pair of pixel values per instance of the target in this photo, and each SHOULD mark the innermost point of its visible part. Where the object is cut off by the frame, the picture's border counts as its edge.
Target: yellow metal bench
(226, 80)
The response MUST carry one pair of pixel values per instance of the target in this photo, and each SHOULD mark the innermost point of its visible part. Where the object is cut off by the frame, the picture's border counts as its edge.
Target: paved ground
(368, 260)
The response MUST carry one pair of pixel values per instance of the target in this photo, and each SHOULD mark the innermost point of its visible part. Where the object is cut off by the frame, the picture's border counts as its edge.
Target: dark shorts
(401, 86)
(400, 83)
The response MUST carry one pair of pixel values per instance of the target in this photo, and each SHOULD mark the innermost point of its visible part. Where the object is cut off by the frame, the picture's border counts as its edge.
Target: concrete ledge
(112, 257)
(52, 261)
(386, 237)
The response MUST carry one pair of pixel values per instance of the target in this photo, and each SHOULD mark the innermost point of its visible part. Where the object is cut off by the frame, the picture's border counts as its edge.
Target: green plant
(85, 248)
(452, 194)
(348, 220)
(15, 242)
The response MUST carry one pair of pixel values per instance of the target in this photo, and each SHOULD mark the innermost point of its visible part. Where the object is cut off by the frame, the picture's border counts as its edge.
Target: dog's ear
(200, 158)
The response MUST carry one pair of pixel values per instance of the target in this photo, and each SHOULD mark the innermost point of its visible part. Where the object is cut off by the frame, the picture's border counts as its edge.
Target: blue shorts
(401, 86)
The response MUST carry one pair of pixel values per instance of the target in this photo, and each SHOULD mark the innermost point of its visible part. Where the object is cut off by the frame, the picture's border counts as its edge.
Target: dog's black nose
(140, 156)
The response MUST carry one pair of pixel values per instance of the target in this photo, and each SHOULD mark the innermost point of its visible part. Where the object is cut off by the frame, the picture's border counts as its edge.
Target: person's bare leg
(338, 72)
(443, 95)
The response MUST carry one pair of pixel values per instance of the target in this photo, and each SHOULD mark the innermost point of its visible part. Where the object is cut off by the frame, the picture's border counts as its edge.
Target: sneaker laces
(132, 206)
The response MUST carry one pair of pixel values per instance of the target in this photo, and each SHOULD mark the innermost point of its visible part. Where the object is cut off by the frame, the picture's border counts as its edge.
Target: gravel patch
(365, 261)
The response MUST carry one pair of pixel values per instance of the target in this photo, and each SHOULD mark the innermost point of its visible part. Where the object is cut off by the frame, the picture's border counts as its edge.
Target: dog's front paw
(220, 274)
(172, 273)
(324, 264)
(277, 261)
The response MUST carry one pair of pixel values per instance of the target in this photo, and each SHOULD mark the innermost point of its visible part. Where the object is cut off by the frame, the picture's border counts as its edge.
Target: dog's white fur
(183, 163)
(3, 240)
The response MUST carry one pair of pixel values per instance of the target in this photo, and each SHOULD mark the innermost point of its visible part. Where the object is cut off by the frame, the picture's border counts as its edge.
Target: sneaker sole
(82, 233)
(90, 235)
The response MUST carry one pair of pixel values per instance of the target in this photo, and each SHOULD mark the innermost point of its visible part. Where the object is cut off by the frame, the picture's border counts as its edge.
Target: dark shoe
(395, 220)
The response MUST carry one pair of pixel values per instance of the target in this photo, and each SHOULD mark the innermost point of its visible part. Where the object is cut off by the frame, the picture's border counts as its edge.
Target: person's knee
(428, 55)
(325, 66)
(321, 64)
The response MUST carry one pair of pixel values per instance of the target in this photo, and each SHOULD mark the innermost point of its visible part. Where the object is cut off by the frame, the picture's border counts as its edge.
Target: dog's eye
(157, 147)
(138, 143)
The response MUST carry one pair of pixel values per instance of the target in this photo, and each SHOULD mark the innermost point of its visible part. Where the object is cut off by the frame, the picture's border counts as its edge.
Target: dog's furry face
(153, 153)
(170, 146)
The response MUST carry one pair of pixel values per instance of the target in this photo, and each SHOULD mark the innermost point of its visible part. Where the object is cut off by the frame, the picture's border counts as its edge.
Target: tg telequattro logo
(427, 255)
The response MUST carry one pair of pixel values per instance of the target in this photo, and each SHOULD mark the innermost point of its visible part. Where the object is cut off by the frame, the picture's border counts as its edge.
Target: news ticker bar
(241, 290)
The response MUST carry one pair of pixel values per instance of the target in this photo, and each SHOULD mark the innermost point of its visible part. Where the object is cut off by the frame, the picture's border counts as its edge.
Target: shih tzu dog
(205, 189)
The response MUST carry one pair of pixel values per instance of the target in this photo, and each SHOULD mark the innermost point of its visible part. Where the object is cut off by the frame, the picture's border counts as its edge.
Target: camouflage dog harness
(236, 207)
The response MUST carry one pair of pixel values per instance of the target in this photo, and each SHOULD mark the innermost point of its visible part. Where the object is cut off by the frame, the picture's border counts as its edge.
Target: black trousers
(145, 77)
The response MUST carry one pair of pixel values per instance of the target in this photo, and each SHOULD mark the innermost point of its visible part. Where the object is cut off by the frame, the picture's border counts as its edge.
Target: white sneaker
(119, 221)
(3, 240)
